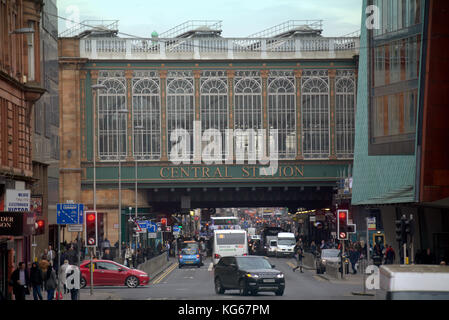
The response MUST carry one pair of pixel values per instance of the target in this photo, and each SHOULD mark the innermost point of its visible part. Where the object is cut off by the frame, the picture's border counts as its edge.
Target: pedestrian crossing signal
(91, 229)
(39, 227)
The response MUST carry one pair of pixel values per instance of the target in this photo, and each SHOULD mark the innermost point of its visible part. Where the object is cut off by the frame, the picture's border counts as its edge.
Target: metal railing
(288, 26)
(95, 25)
(191, 25)
(215, 45)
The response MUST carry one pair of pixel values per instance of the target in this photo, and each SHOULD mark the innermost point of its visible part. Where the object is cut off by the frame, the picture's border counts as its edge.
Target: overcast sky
(240, 17)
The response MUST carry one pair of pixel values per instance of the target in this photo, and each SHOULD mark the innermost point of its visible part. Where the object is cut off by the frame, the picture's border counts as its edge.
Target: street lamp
(95, 89)
(139, 127)
(121, 111)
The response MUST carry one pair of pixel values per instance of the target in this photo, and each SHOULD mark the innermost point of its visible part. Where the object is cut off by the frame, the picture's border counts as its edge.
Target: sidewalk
(104, 293)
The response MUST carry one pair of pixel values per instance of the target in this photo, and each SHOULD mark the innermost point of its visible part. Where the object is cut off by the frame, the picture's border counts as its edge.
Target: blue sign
(175, 228)
(152, 227)
(143, 224)
(69, 213)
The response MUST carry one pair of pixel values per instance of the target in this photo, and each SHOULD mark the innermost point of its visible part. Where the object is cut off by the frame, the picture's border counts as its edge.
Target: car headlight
(255, 276)
(323, 260)
(280, 275)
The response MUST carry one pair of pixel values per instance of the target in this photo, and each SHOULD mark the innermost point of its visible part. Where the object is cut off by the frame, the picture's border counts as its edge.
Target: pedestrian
(107, 254)
(72, 256)
(300, 255)
(36, 281)
(390, 255)
(323, 245)
(354, 256)
(167, 247)
(128, 256)
(51, 255)
(20, 282)
(140, 257)
(377, 255)
(313, 247)
(50, 282)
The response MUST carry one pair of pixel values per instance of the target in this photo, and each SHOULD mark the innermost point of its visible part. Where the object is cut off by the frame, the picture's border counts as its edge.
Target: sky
(240, 18)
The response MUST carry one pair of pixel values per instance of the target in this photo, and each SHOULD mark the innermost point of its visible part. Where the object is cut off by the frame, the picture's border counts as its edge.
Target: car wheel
(243, 289)
(180, 266)
(279, 292)
(82, 282)
(199, 265)
(254, 292)
(218, 286)
(132, 282)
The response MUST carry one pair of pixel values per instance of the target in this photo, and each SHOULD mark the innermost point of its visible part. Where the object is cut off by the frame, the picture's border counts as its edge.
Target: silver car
(327, 255)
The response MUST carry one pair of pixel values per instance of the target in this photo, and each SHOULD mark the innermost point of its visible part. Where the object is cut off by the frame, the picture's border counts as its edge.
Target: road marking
(210, 267)
(166, 273)
(291, 264)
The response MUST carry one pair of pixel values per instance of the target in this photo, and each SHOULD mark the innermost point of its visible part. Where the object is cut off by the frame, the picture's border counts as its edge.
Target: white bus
(225, 223)
(229, 243)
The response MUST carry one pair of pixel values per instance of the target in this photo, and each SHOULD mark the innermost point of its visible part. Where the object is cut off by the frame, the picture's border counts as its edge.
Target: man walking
(20, 282)
(300, 255)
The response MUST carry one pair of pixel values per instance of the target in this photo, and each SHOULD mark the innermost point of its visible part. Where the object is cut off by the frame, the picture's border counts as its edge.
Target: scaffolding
(290, 27)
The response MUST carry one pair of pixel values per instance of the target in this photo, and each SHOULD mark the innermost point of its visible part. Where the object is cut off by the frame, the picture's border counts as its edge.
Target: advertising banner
(17, 200)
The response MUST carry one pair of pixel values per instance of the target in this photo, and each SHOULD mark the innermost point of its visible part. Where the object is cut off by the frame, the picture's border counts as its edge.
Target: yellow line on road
(291, 264)
(166, 273)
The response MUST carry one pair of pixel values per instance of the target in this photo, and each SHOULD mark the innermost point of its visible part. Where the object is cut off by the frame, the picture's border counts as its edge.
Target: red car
(111, 273)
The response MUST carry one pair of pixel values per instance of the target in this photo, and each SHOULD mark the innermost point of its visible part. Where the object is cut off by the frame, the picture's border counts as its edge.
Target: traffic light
(39, 227)
(398, 224)
(91, 229)
(163, 222)
(342, 224)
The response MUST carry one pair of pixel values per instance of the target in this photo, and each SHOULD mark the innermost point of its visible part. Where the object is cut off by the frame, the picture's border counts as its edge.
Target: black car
(249, 274)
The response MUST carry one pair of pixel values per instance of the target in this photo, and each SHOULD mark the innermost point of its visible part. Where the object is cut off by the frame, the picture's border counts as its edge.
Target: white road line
(210, 266)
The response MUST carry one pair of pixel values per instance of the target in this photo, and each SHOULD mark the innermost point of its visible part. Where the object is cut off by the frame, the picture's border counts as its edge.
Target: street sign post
(69, 213)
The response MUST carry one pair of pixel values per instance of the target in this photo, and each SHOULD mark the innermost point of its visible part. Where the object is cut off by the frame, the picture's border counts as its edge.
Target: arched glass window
(315, 114)
(247, 109)
(180, 107)
(214, 104)
(146, 119)
(282, 111)
(345, 115)
(111, 122)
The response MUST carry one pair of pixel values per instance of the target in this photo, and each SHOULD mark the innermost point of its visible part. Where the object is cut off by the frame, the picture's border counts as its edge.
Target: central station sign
(224, 172)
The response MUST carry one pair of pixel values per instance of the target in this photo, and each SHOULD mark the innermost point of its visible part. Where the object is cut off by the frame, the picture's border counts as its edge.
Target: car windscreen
(330, 253)
(231, 238)
(189, 251)
(253, 263)
(286, 242)
(189, 245)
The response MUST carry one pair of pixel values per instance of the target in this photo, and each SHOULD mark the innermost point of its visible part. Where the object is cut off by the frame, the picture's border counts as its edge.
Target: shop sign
(11, 224)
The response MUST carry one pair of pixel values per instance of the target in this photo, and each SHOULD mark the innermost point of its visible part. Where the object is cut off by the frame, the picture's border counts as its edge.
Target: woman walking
(50, 283)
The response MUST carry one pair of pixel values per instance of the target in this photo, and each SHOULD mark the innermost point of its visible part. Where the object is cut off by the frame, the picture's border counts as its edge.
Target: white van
(229, 243)
(414, 282)
(286, 242)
